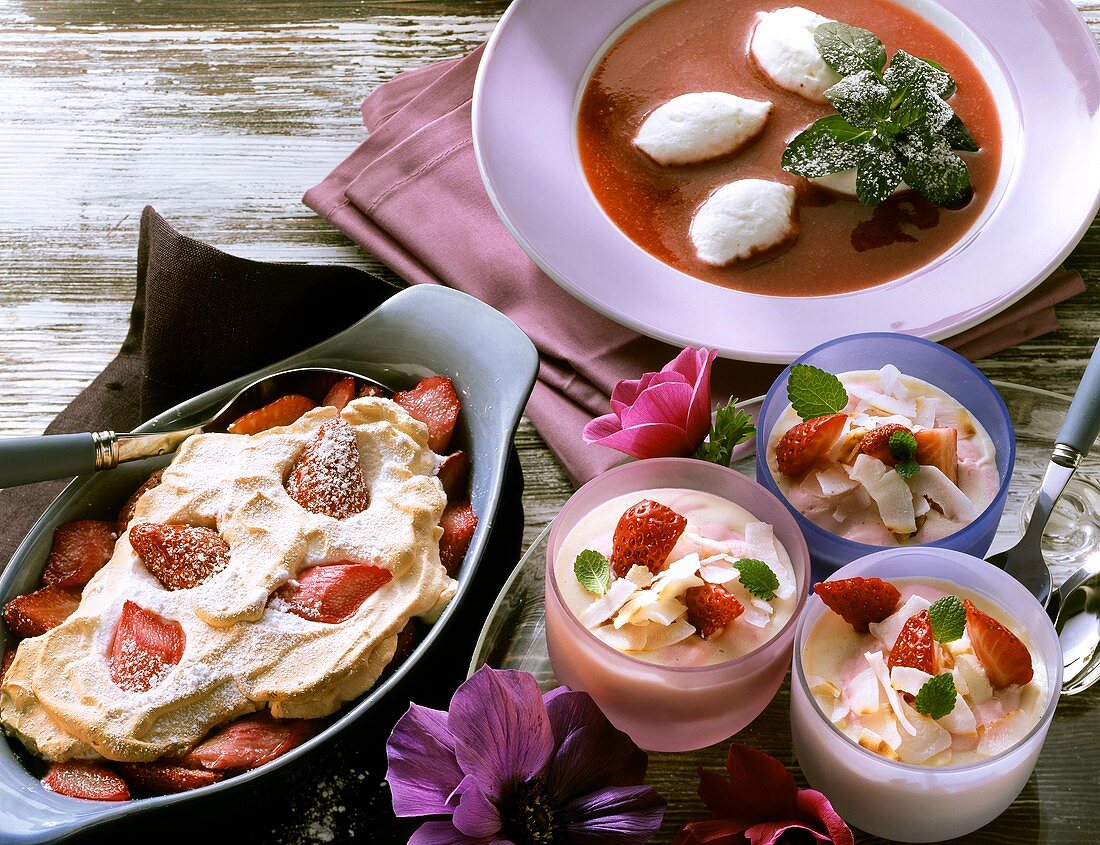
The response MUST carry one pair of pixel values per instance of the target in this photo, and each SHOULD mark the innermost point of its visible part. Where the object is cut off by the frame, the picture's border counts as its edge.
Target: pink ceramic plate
(1040, 61)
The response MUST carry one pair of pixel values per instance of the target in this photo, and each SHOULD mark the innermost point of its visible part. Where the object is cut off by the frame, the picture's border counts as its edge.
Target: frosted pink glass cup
(672, 708)
(903, 801)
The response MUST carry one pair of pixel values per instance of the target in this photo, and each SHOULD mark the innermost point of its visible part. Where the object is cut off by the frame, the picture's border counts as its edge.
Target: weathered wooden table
(220, 114)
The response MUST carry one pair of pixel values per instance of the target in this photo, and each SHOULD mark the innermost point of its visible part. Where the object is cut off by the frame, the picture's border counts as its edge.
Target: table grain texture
(220, 114)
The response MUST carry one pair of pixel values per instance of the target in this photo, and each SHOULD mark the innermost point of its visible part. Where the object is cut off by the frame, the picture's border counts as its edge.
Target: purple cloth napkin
(411, 194)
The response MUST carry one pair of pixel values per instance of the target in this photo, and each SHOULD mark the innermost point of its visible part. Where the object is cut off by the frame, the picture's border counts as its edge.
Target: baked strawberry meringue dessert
(262, 579)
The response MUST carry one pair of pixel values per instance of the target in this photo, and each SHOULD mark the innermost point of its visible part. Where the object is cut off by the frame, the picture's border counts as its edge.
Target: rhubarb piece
(333, 592)
(283, 411)
(340, 394)
(249, 742)
(434, 402)
(454, 475)
(159, 778)
(80, 549)
(459, 523)
(36, 613)
(144, 646)
(85, 779)
(127, 512)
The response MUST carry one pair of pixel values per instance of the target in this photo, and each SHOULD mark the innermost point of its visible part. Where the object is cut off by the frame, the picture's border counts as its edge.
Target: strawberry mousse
(676, 577)
(922, 671)
(880, 457)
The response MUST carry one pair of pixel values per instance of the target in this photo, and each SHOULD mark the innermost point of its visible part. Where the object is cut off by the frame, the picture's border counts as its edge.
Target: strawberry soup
(721, 207)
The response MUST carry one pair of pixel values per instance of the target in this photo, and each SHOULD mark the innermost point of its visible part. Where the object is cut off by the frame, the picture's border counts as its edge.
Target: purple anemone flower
(507, 764)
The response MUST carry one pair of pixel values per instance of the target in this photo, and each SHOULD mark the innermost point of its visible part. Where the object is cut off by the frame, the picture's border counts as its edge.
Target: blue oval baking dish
(413, 334)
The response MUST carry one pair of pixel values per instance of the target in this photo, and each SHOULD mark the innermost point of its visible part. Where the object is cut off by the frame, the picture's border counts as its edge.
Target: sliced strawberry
(164, 778)
(249, 742)
(434, 402)
(333, 592)
(458, 523)
(283, 411)
(340, 393)
(180, 556)
(454, 475)
(710, 608)
(1004, 657)
(36, 613)
(143, 647)
(85, 779)
(806, 443)
(7, 659)
(80, 549)
(859, 601)
(328, 478)
(876, 442)
(368, 390)
(644, 536)
(939, 447)
(915, 646)
(127, 512)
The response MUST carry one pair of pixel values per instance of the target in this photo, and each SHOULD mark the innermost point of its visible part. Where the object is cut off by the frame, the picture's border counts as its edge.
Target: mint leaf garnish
(593, 570)
(891, 125)
(948, 618)
(848, 49)
(814, 392)
(937, 697)
(757, 577)
(732, 427)
(903, 449)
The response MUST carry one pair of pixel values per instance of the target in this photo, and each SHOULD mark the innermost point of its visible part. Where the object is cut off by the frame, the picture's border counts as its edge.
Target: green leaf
(958, 136)
(849, 49)
(757, 577)
(902, 445)
(907, 469)
(934, 170)
(593, 570)
(814, 392)
(829, 145)
(937, 697)
(948, 618)
(732, 427)
(878, 173)
(909, 72)
(861, 99)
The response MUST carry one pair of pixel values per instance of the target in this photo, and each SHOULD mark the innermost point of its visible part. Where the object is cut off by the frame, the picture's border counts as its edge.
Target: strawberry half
(248, 743)
(710, 608)
(180, 556)
(283, 411)
(915, 646)
(454, 473)
(36, 613)
(80, 549)
(1004, 657)
(876, 443)
(644, 536)
(807, 443)
(434, 402)
(333, 592)
(859, 601)
(327, 478)
(84, 779)
(144, 645)
(939, 447)
(458, 523)
(127, 512)
(340, 394)
(164, 778)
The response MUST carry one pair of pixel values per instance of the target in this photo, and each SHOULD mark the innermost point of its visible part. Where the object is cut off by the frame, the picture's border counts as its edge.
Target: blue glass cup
(921, 359)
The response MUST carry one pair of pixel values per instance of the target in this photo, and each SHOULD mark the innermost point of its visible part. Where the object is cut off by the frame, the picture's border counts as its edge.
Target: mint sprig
(731, 428)
(948, 618)
(892, 124)
(593, 570)
(757, 577)
(937, 697)
(903, 449)
(815, 393)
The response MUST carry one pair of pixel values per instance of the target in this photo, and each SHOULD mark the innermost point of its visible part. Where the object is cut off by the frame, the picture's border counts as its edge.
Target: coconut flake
(888, 630)
(889, 404)
(878, 666)
(891, 494)
(926, 740)
(608, 604)
(931, 483)
(760, 538)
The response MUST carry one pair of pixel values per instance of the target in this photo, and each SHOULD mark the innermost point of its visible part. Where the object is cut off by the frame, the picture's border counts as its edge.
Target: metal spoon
(24, 460)
(1024, 561)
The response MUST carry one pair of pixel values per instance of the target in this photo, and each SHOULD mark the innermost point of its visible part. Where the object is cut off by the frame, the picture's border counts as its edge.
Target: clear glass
(671, 708)
(921, 803)
(918, 358)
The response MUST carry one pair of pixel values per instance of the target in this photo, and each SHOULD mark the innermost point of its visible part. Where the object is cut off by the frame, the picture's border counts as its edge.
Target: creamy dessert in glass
(672, 590)
(922, 677)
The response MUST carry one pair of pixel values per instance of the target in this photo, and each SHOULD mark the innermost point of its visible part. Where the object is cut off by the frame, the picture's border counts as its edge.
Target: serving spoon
(25, 460)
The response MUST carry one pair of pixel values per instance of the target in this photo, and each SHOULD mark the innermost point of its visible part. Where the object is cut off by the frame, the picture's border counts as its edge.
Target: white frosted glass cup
(909, 802)
(672, 708)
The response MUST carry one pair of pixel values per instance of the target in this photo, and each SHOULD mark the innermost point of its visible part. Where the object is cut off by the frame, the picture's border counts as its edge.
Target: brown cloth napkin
(411, 194)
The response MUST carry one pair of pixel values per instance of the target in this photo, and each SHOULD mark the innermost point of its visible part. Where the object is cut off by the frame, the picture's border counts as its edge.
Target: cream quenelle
(676, 577)
(880, 457)
(922, 671)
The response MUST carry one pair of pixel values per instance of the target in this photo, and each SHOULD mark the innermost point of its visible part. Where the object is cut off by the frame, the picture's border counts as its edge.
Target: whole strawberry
(859, 601)
(645, 536)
